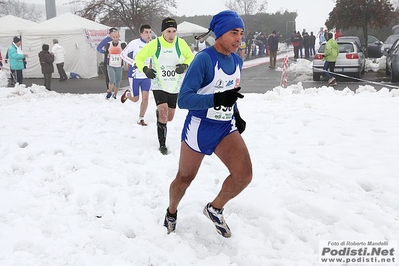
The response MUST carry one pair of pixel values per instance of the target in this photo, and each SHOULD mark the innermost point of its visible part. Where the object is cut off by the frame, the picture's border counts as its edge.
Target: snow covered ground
(82, 184)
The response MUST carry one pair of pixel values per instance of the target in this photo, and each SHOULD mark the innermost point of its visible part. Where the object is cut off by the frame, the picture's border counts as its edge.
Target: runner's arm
(198, 75)
(125, 54)
(147, 51)
(100, 46)
(186, 51)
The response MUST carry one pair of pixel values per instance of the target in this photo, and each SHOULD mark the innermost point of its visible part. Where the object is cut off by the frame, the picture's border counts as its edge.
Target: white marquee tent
(79, 37)
(188, 29)
(11, 26)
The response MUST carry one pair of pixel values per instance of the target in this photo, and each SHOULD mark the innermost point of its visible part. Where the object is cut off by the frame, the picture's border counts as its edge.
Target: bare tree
(20, 9)
(247, 7)
(128, 13)
(75, 5)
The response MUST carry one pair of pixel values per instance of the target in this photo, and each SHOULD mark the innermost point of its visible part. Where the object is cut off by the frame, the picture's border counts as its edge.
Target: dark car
(374, 47)
(389, 41)
(392, 61)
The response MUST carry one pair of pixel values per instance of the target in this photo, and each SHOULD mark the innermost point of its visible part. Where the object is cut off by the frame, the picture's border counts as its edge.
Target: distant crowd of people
(257, 44)
(17, 61)
(304, 44)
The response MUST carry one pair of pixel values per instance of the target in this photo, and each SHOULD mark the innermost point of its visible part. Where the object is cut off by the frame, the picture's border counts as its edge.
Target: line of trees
(133, 13)
(127, 13)
(364, 15)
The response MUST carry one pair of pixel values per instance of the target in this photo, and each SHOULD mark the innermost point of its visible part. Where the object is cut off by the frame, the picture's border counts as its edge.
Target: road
(260, 78)
(256, 77)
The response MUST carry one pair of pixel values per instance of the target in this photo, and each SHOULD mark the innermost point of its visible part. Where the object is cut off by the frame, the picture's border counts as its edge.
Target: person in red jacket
(337, 34)
(295, 40)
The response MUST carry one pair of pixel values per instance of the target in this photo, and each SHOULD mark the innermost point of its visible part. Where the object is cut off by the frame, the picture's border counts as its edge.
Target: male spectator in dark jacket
(273, 48)
(312, 43)
(306, 43)
(248, 41)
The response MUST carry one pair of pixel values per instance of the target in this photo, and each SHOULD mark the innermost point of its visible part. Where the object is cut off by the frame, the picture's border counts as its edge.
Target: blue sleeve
(101, 45)
(199, 74)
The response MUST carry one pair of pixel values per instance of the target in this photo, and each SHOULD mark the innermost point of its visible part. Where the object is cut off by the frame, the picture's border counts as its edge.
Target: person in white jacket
(59, 58)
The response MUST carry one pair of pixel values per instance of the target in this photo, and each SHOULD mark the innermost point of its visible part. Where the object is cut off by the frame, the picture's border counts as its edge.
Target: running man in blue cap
(213, 124)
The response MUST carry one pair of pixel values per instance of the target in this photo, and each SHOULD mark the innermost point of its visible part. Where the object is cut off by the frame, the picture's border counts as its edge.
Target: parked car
(351, 60)
(374, 47)
(389, 41)
(351, 39)
(392, 61)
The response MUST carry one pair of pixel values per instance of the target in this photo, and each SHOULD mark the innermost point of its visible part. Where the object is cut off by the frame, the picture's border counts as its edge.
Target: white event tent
(79, 37)
(187, 29)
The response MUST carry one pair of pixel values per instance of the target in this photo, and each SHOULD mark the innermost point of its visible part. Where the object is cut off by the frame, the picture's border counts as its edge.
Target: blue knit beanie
(225, 21)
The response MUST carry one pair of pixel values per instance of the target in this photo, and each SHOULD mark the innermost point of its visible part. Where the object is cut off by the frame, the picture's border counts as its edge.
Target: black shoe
(163, 150)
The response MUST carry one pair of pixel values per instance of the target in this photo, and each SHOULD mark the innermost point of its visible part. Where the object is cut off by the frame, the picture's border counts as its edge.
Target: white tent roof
(11, 26)
(187, 29)
(66, 23)
(11, 21)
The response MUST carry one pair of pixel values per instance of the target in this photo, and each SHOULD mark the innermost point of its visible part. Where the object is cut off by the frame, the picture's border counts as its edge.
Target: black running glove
(227, 98)
(240, 123)
(149, 72)
(180, 68)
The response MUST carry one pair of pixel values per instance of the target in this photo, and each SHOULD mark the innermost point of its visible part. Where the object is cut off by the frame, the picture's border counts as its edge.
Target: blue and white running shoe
(169, 223)
(217, 218)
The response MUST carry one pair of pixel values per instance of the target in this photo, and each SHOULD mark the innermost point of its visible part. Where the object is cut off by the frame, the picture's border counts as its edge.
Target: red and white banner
(95, 36)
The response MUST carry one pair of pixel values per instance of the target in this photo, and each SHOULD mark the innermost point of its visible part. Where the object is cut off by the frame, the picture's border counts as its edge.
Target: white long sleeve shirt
(59, 53)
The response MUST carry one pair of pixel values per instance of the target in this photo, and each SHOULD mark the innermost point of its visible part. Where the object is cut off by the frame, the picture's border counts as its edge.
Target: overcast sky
(311, 14)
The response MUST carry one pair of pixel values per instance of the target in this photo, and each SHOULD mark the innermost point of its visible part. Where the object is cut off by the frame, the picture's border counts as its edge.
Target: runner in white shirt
(137, 79)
